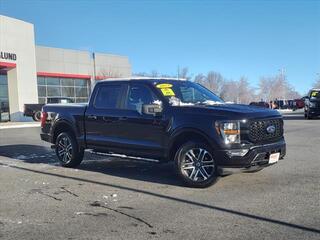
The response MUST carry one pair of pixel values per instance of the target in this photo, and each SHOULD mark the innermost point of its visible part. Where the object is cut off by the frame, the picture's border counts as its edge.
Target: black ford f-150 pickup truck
(312, 104)
(166, 120)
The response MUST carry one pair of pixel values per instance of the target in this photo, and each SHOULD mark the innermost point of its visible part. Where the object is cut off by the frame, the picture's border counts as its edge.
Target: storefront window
(4, 99)
(41, 81)
(52, 81)
(76, 89)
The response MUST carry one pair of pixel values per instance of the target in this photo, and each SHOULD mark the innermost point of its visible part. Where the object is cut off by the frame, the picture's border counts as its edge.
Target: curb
(27, 125)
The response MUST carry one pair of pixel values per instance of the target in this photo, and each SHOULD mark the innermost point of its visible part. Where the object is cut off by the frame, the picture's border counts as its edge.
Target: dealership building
(31, 73)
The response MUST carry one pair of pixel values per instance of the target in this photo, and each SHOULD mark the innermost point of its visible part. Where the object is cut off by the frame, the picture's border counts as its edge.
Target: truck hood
(230, 111)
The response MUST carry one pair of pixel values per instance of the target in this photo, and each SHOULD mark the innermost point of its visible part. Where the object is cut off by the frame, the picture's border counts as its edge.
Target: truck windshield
(315, 95)
(182, 93)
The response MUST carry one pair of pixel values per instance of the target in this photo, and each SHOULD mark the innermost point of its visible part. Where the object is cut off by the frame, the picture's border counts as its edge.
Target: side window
(139, 95)
(107, 97)
(192, 95)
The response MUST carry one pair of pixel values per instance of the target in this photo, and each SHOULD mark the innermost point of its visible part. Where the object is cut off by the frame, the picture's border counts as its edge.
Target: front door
(144, 133)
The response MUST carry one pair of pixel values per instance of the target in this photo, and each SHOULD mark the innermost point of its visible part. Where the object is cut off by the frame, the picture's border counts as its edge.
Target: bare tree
(265, 89)
(276, 87)
(108, 73)
(270, 88)
(229, 91)
(200, 78)
(213, 81)
(184, 73)
(244, 92)
(154, 73)
(317, 82)
(141, 74)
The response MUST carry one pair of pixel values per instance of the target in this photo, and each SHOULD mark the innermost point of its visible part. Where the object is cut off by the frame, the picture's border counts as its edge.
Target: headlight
(229, 131)
(312, 104)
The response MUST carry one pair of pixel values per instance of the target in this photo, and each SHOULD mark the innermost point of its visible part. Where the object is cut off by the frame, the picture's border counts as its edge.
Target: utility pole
(94, 70)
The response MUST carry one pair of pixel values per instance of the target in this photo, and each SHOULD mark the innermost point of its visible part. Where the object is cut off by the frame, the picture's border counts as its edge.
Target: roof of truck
(143, 78)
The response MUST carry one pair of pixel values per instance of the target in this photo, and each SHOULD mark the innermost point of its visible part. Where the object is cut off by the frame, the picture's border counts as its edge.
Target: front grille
(258, 130)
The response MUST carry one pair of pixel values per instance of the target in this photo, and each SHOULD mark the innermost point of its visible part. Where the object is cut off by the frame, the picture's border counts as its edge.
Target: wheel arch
(62, 126)
(184, 135)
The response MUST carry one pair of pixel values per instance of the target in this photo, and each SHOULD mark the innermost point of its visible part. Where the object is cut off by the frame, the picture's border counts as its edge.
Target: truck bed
(73, 113)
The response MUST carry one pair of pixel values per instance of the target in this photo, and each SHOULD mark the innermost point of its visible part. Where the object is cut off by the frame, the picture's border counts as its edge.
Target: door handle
(123, 118)
(93, 117)
(107, 120)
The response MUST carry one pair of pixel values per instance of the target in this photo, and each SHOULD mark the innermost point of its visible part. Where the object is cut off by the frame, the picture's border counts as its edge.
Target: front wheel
(68, 151)
(308, 116)
(195, 165)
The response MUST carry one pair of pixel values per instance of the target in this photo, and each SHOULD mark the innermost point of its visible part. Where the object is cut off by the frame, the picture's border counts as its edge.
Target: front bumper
(256, 156)
(314, 111)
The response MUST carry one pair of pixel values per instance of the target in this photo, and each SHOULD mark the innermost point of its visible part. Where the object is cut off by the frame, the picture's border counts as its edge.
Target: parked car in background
(260, 104)
(312, 104)
(34, 110)
(298, 103)
(166, 120)
(4, 111)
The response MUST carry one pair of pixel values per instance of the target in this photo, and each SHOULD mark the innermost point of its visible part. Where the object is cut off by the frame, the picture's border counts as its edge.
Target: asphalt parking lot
(108, 198)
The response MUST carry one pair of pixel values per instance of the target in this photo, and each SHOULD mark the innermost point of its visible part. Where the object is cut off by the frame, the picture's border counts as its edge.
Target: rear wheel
(37, 116)
(68, 151)
(195, 165)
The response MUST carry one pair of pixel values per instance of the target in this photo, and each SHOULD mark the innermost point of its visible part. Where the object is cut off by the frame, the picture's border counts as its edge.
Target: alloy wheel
(64, 149)
(198, 165)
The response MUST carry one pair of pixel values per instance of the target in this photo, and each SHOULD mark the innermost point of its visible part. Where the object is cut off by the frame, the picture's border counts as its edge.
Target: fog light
(237, 152)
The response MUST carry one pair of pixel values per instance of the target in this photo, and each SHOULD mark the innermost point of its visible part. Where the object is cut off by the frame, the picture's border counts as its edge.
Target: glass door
(4, 99)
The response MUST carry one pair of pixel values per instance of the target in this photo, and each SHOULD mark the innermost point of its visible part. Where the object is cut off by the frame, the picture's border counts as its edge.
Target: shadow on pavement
(28, 153)
(184, 201)
(130, 169)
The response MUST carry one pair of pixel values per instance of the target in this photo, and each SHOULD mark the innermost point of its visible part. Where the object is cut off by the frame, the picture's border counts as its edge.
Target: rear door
(104, 117)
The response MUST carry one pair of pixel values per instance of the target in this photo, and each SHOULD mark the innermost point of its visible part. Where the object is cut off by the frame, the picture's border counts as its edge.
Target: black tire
(309, 116)
(67, 150)
(194, 169)
(37, 116)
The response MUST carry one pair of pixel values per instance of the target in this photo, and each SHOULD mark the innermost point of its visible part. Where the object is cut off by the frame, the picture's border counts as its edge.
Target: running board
(123, 156)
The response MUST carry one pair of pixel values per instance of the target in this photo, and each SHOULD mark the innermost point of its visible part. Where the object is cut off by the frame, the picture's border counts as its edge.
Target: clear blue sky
(235, 38)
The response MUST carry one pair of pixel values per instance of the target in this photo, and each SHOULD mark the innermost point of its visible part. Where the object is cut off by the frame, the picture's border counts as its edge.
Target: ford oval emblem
(271, 129)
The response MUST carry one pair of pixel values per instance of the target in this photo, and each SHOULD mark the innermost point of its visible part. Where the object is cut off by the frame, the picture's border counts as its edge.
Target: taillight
(44, 116)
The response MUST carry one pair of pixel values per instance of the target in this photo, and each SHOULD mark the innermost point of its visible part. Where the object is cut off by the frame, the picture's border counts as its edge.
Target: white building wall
(58, 60)
(109, 65)
(18, 37)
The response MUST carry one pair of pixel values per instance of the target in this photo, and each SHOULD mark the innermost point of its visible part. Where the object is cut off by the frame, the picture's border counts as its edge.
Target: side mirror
(152, 109)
